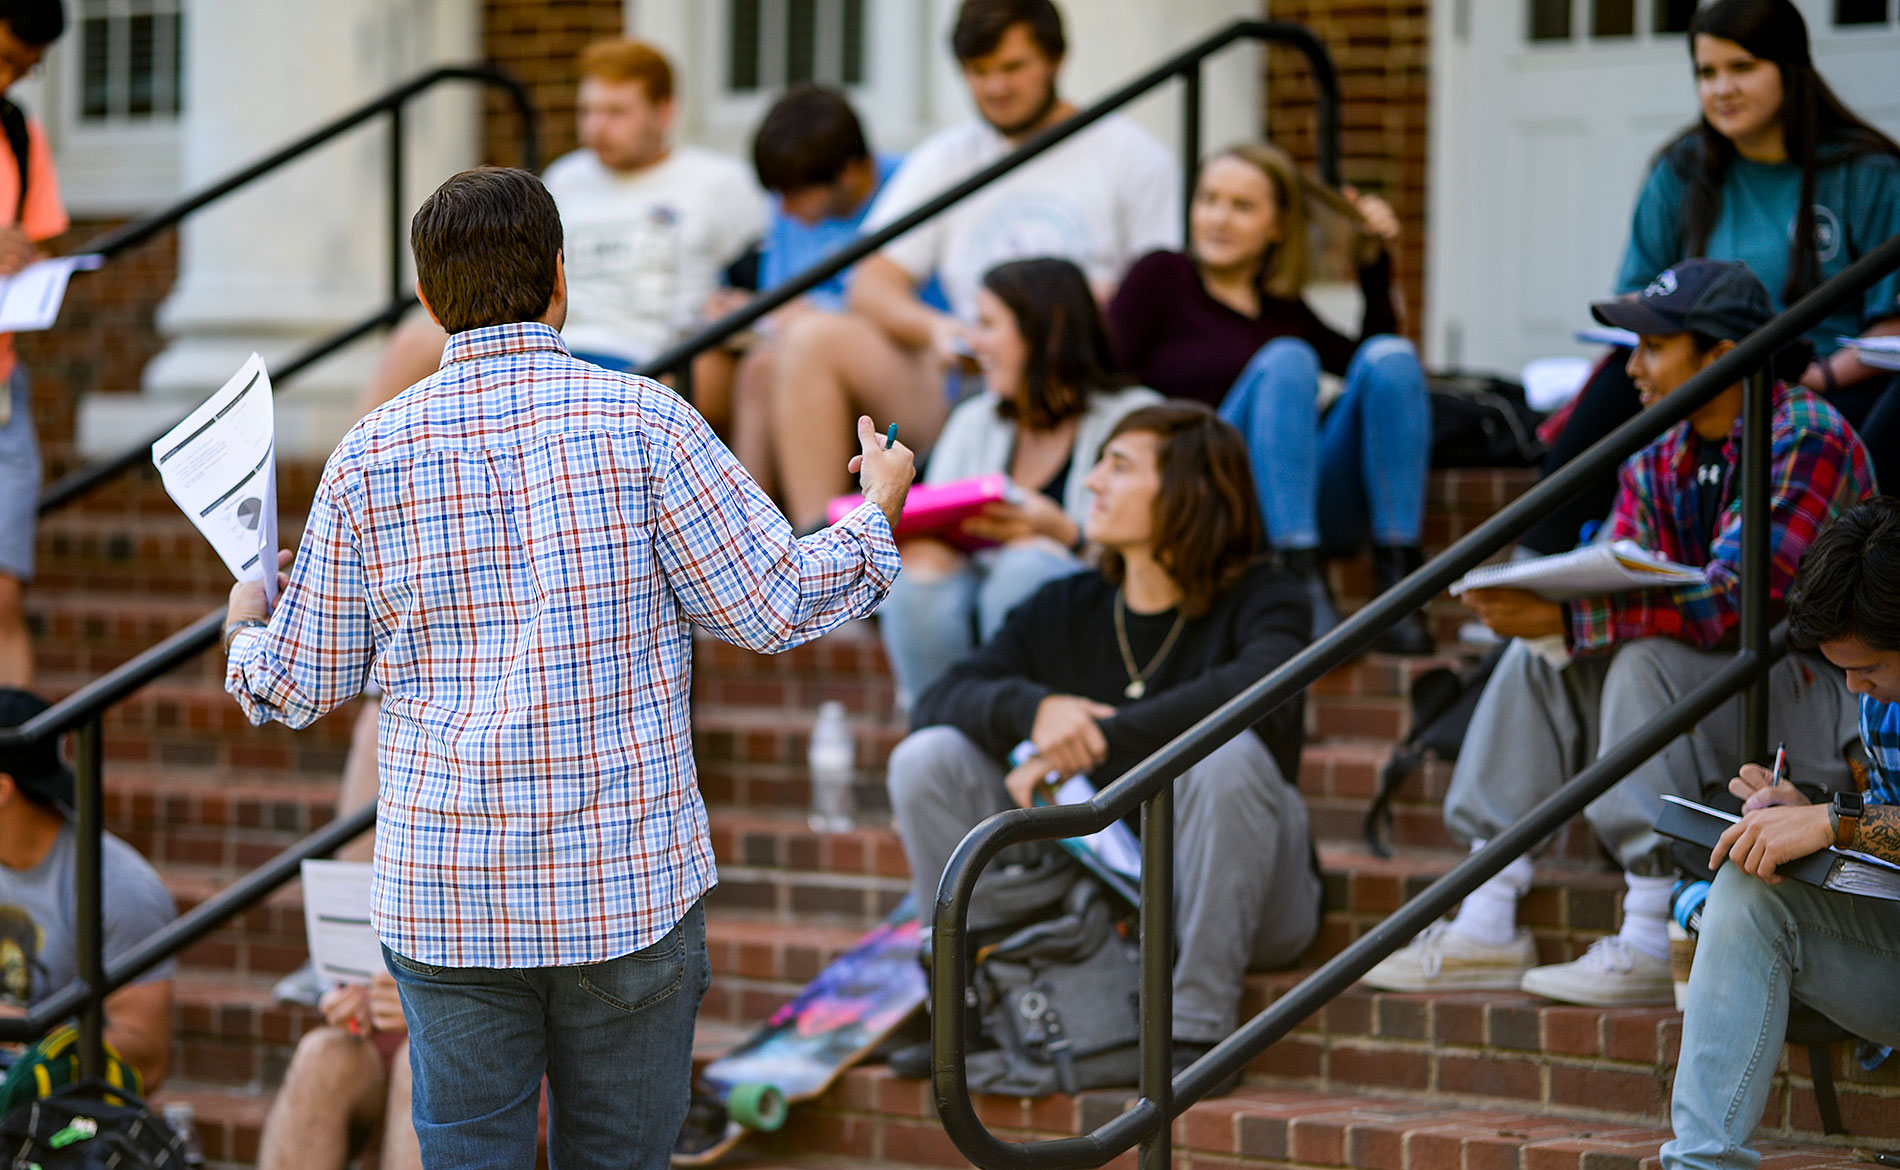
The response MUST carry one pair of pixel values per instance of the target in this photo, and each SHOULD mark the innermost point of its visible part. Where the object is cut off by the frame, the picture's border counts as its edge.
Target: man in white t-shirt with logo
(648, 227)
(1103, 198)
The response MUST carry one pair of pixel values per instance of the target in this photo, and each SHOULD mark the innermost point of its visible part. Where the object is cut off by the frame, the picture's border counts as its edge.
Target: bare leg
(400, 1151)
(335, 1083)
(361, 782)
(833, 367)
(752, 414)
(16, 644)
(713, 373)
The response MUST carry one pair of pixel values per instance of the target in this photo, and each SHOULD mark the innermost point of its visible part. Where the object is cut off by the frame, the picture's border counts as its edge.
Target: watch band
(1844, 814)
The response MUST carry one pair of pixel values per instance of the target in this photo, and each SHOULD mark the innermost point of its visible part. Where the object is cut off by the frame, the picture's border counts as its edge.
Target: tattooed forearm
(1880, 832)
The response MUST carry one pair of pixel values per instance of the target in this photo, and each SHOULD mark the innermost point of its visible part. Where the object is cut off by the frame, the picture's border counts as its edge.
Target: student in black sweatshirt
(1097, 670)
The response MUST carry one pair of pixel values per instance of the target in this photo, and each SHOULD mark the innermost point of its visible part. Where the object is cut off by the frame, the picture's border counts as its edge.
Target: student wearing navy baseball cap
(1583, 675)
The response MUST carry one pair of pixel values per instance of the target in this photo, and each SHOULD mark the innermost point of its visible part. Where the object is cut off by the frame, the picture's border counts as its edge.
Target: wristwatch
(1844, 814)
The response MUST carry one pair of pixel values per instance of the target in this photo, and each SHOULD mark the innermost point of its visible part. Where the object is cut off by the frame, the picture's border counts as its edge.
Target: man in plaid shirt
(516, 549)
(1764, 938)
(1583, 675)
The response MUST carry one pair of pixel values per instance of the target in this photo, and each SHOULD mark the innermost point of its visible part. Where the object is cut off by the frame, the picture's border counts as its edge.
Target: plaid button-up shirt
(1817, 469)
(516, 549)
(1880, 733)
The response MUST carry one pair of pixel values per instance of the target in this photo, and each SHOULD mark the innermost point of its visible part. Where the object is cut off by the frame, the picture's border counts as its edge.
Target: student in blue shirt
(810, 153)
(1779, 174)
(1764, 938)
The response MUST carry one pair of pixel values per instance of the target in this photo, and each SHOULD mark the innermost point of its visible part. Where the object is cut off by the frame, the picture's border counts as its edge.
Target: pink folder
(939, 509)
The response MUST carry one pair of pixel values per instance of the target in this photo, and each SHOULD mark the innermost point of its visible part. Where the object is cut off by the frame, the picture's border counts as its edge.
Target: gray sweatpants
(1537, 726)
(1245, 895)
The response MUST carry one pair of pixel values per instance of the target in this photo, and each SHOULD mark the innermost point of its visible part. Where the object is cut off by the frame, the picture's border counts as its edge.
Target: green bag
(53, 1063)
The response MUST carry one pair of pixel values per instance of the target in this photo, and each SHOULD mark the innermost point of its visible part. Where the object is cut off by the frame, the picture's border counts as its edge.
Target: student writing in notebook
(1764, 938)
(1621, 657)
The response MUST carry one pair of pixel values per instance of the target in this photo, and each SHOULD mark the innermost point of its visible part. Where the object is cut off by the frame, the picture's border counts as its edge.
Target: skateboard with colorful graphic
(836, 1021)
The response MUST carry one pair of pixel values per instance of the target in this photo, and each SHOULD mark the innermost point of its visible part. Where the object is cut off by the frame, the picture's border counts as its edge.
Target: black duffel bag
(1479, 421)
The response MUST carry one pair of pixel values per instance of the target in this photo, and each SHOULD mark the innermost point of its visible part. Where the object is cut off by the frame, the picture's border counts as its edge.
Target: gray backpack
(1061, 999)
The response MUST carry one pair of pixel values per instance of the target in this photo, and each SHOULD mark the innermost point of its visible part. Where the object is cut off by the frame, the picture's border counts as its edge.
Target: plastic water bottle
(179, 1116)
(1685, 923)
(833, 759)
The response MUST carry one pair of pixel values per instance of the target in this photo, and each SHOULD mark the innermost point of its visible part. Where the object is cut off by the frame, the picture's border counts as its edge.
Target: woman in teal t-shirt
(1782, 176)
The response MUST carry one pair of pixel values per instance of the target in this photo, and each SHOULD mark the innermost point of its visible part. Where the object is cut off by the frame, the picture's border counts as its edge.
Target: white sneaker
(1610, 974)
(1441, 959)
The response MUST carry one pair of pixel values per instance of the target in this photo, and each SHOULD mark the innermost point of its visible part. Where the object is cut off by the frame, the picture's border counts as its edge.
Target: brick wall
(104, 336)
(1382, 50)
(537, 41)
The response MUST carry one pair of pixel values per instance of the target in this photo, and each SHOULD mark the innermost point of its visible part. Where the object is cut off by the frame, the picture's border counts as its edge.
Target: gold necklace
(1138, 680)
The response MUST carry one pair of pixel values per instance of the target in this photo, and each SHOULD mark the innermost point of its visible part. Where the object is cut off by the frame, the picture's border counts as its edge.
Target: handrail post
(88, 897)
(397, 236)
(1157, 973)
(1190, 141)
(1757, 419)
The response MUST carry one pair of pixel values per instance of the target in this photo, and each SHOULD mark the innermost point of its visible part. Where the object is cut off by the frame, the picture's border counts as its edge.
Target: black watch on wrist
(1844, 811)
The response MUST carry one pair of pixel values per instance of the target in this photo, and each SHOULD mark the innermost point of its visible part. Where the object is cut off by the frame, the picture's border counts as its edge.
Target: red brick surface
(1381, 49)
(537, 41)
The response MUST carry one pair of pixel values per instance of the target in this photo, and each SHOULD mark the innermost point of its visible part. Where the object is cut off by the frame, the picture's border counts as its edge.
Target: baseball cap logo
(1663, 285)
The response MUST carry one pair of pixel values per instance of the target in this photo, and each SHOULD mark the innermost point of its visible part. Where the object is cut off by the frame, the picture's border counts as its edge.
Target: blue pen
(890, 436)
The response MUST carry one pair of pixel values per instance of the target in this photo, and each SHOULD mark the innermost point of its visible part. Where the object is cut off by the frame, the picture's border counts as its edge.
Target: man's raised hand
(884, 475)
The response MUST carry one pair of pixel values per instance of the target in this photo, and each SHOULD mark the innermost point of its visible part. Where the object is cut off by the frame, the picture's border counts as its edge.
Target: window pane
(1672, 16)
(140, 79)
(853, 42)
(1860, 11)
(1550, 20)
(95, 72)
(801, 40)
(742, 58)
(1613, 18)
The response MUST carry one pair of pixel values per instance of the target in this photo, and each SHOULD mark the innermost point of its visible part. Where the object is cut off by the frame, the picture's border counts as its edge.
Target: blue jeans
(1359, 471)
(1838, 953)
(927, 625)
(613, 1039)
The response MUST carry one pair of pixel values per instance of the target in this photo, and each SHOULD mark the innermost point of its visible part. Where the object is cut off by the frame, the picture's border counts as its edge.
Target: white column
(299, 254)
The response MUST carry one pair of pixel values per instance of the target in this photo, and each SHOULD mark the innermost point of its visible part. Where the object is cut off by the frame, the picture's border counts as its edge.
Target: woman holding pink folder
(1052, 396)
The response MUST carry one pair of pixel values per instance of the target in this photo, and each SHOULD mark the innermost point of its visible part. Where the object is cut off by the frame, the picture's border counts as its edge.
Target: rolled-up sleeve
(316, 651)
(734, 566)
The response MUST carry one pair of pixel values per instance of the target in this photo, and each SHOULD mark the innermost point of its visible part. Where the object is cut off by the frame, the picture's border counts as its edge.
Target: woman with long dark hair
(1779, 174)
(1052, 396)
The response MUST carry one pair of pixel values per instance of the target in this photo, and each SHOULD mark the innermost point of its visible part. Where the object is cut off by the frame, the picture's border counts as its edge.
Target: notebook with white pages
(1613, 567)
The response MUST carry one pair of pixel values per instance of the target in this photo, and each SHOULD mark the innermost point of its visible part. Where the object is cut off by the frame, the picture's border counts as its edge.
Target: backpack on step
(1443, 702)
(1479, 421)
(1061, 1000)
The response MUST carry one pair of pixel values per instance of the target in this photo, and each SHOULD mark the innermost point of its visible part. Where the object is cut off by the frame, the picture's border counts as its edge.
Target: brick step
(226, 820)
(874, 1115)
(155, 554)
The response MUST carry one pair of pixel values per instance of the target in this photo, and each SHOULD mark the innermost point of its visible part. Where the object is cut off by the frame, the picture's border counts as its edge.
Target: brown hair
(1207, 527)
(629, 60)
(1068, 352)
(486, 244)
(1287, 266)
(982, 24)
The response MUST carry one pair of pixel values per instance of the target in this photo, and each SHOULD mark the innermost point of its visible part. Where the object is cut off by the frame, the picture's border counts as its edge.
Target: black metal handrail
(1148, 786)
(394, 105)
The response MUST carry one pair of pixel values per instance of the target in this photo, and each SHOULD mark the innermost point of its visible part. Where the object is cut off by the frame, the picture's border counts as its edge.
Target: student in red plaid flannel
(1582, 675)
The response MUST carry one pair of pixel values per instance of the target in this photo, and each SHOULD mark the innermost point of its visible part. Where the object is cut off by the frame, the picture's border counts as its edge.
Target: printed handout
(220, 466)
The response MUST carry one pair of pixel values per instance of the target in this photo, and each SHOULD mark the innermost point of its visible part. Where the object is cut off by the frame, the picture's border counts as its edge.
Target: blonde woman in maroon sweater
(1225, 324)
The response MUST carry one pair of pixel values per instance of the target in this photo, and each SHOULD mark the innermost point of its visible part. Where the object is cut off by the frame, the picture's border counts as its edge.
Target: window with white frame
(771, 44)
(128, 60)
(111, 100)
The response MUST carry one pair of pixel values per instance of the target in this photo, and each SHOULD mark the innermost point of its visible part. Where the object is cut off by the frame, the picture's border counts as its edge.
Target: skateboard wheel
(757, 1106)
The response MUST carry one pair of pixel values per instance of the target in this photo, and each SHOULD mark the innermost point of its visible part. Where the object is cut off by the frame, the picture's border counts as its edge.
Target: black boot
(1305, 564)
(1392, 563)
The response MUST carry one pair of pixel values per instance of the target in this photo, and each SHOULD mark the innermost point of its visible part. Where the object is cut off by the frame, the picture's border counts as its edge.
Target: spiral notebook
(1614, 567)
